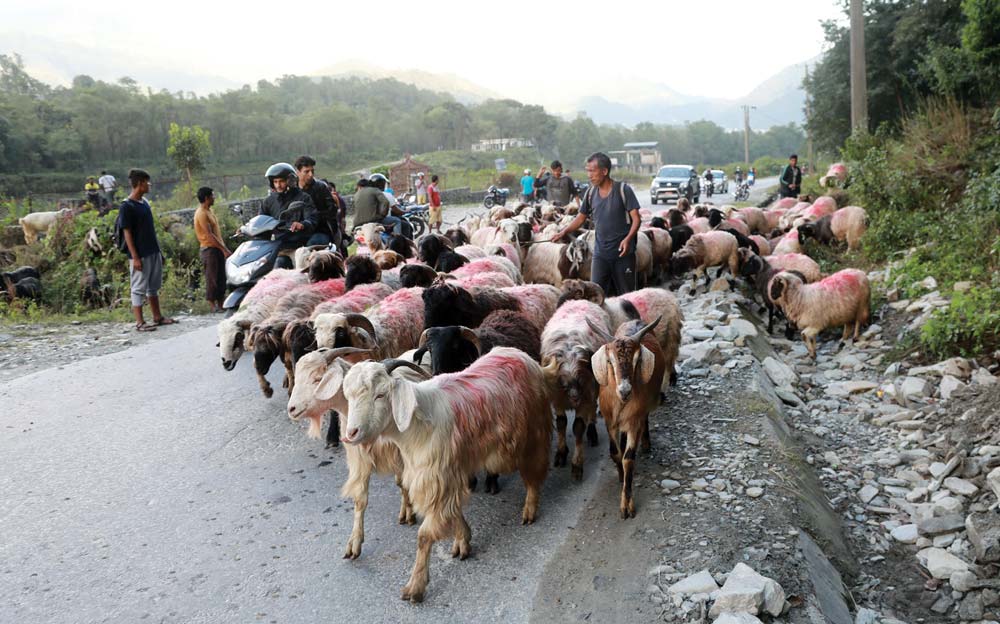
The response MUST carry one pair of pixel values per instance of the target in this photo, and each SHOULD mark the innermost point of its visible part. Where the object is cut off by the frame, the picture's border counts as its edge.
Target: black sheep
(361, 270)
(658, 222)
(455, 347)
(757, 268)
(411, 275)
(742, 241)
(447, 304)
(401, 245)
(432, 246)
(325, 265)
(457, 236)
(448, 261)
(25, 288)
(819, 229)
(679, 235)
(676, 217)
(20, 273)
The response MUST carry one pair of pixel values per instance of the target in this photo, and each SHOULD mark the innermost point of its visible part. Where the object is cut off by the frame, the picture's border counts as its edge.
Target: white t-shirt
(107, 182)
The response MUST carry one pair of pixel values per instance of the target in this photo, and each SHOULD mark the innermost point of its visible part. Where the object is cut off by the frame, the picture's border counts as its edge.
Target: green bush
(968, 327)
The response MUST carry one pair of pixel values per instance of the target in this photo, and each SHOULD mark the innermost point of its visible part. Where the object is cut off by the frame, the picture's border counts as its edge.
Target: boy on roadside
(213, 250)
(143, 250)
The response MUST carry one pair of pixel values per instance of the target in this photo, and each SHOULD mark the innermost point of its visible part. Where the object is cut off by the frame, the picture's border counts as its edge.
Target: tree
(189, 148)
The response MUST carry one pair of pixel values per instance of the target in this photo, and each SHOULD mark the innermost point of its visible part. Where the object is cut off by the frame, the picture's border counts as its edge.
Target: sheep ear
(646, 364)
(332, 381)
(777, 286)
(599, 364)
(404, 401)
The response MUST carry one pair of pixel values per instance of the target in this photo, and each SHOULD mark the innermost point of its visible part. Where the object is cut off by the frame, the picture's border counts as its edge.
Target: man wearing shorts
(146, 266)
(434, 211)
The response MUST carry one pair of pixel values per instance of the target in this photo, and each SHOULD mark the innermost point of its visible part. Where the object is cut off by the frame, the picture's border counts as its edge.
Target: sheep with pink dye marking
(650, 304)
(494, 264)
(493, 416)
(318, 389)
(699, 225)
(843, 298)
(470, 252)
(823, 206)
(390, 327)
(836, 175)
(506, 250)
(847, 224)
(538, 302)
(704, 251)
(255, 307)
(763, 245)
(568, 342)
(300, 335)
(783, 204)
(755, 219)
(266, 337)
(789, 243)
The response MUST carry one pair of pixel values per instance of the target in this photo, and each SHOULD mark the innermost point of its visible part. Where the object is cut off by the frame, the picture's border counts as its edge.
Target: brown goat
(630, 372)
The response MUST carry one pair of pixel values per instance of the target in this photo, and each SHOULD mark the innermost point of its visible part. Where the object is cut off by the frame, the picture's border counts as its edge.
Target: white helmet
(420, 175)
(527, 171)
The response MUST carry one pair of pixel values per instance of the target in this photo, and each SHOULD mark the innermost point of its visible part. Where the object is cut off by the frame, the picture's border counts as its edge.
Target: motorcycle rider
(291, 206)
(739, 175)
(394, 215)
(709, 182)
(327, 226)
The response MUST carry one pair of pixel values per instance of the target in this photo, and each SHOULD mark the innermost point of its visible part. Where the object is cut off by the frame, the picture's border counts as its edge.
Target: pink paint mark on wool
(848, 280)
(475, 395)
(329, 288)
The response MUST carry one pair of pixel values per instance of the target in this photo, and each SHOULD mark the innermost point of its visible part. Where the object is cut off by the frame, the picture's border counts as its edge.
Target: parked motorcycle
(415, 214)
(495, 196)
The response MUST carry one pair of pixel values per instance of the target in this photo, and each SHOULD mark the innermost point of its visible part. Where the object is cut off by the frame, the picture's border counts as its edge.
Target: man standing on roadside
(142, 248)
(420, 188)
(327, 225)
(560, 188)
(527, 187)
(614, 209)
(213, 250)
(108, 185)
(791, 178)
(434, 208)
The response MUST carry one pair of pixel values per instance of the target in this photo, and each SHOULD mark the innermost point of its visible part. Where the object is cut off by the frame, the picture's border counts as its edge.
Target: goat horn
(332, 354)
(602, 333)
(551, 367)
(471, 336)
(423, 338)
(393, 364)
(360, 320)
(642, 332)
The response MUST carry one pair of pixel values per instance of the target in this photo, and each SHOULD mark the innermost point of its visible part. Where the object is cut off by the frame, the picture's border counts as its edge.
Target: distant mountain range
(626, 101)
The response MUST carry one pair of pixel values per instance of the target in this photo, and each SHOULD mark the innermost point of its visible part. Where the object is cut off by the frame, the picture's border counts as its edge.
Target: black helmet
(279, 170)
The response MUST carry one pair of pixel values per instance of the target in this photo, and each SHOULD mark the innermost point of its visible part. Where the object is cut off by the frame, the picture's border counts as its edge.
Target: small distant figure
(93, 191)
(739, 176)
(527, 187)
(791, 178)
(213, 249)
(420, 188)
(751, 176)
(559, 188)
(108, 186)
(434, 210)
(142, 248)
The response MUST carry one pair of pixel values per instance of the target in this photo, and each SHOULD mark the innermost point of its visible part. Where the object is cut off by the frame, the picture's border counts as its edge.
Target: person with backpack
(614, 209)
(136, 232)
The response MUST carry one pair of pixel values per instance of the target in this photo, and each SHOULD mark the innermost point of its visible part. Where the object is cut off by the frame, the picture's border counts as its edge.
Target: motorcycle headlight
(242, 274)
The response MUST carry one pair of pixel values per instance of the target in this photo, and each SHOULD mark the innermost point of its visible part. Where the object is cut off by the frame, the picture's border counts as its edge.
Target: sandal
(164, 321)
(144, 327)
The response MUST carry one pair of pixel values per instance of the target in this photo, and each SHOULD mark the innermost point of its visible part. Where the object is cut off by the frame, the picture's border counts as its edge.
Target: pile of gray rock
(738, 596)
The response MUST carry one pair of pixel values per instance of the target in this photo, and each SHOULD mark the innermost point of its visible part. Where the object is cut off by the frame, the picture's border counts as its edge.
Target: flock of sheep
(444, 358)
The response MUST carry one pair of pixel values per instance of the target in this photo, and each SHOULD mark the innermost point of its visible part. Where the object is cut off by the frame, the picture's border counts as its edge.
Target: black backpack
(118, 235)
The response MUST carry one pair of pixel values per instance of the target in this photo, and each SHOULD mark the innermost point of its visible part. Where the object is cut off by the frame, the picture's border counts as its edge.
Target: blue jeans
(398, 226)
(319, 238)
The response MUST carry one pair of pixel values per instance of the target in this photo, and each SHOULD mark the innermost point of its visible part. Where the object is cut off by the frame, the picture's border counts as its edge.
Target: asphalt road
(151, 485)
(757, 192)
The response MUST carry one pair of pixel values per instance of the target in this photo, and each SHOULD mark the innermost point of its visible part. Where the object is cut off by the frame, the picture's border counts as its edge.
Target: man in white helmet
(527, 187)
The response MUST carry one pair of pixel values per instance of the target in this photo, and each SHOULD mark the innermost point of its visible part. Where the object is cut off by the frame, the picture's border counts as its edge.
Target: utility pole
(809, 139)
(859, 82)
(746, 132)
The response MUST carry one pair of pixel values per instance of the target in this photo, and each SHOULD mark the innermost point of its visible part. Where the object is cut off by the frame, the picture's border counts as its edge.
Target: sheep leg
(614, 452)
(333, 431)
(420, 576)
(627, 506)
(592, 438)
(265, 387)
(584, 417)
(473, 482)
(463, 535)
(406, 513)
(809, 337)
(358, 529)
(562, 451)
(492, 483)
(647, 443)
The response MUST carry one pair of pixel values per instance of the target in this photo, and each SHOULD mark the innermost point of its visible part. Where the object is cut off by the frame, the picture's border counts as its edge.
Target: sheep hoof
(460, 549)
(492, 484)
(628, 510)
(561, 456)
(268, 392)
(353, 549)
(473, 482)
(592, 434)
(411, 593)
(673, 378)
(528, 516)
(577, 472)
(663, 398)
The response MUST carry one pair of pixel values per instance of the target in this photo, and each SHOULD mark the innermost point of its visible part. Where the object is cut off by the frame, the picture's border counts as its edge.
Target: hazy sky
(720, 48)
